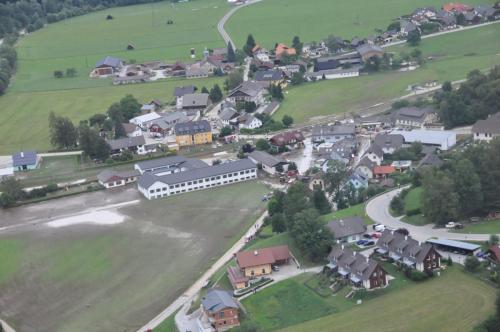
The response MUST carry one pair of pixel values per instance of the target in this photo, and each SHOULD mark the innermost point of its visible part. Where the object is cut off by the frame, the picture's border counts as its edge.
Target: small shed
(25, 160)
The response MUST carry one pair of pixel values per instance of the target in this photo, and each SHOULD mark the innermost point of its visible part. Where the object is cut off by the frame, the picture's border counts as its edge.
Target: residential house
(317, 181)
(131, 129)
(331, 74)
(148, 108)
(220, 311)
(136, 144)
(443, 140)
(107, 66)
(236, 277)
(169, 165)
(423, 15)
(383, 172)
(268, 162)
(355, 268)
(488, 129)
(456, 7)
(177, 69)
(358, 180)
(372, 123)
(315, 50)
(289, 139)
(375, 154)
(269, 76)
(259, 262)
(367, 51)
(401, 165)
(332, 134)
(247, 92)
(180, 92)
(193, 133)
(414, 117)
(408, 252)
(431, 160)
(158, 185)
(228, 116)
(447, 20)
(249, 121)
(326, 64)
(347, 230)
(283, 50)
(25, 160)
(487, 12)
(407, 27)
(494, 253)
(112, 179)
(389, 143)
(195, 101)
(197, 72)
(143, 121)
(164, 125)
(365, 167)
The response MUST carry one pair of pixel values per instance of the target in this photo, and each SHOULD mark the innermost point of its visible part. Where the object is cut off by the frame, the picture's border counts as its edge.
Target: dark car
(367, 236)
(370, 243)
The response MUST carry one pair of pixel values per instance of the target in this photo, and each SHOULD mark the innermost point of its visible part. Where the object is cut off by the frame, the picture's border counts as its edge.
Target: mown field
(440, 304)
(454, 55)
(272, 21)
(115, 278)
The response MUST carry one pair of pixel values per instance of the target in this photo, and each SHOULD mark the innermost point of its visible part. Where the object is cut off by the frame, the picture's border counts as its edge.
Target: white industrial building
(443, 140)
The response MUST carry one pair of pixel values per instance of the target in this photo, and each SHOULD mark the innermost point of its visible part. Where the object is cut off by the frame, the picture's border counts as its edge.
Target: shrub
(416, 275)
(472, 264)
(413, 212)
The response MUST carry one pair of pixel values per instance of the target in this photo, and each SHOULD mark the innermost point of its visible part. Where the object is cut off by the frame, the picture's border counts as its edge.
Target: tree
(447, 87)
(58, 74)
(92, 144)
(279, 168)
(439, 199)
(276, 92)
(397, 205)
(205, 90)
(246, 148)
(468, 188)
(226, 131)
(287, 120)
(97, 120)
(231, 57)
(119, 130)
(63, 133)
(249, 45)
(295, 201)
(276, 203)
(70, 72)
(278, 223)
(313, 238)
(262, 144)
(250, 106)
(297, 44)
(233, 80)
(335, 175)
(292, 166)
(493, 240)
(472, 264)
(320, 202)
(11, 190)
(413, 38)
(216, 94)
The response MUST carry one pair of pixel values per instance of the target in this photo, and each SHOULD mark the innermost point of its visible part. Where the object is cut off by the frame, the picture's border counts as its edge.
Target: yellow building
(193, 133)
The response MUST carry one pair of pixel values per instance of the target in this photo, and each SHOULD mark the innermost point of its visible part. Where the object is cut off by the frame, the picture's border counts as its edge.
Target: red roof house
(260, 261)
(456, 7)
(282, 49)
(292, 138)
(494, 252)
(382, 172)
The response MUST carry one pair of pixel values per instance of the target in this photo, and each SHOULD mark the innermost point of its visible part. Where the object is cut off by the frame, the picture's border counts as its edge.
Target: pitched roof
(268, 75)
(249, 88)
(383, 170)
(338, 129)
(265, 158)
(405, 246)
(24, 158)
(145, 118)
(109, 62)
(347, 226)
(192, 127)
(129, 127)
(262, 256)
(495, 252)
(353, 263)
(367, 48)
(287, 137)
(491, 126)
(376, 150)
(387, 141)
(282, 49)
(180, 91)
(456, 7)
(112, 175)
(326, 64)
(126, 142)
(431, 159)
(195, 100)
(228, 114)
(366, 162)
(216, 300)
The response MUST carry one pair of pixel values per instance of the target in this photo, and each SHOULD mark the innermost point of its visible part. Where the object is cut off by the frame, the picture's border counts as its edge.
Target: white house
(349, 229)
(143, 121)
(486, 130)
(268, 162)
(112, 179)
(331, 74)
(443, 140)
(250, 122)
(332, 134)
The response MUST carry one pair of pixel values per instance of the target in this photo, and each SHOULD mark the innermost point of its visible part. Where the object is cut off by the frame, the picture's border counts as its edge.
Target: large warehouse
(442, 139)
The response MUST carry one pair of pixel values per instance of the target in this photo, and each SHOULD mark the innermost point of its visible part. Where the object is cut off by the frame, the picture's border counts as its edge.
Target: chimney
(406, 237)
(342, 247)
(392, 232)
(22, 154)
(255, 252)
(367, 259)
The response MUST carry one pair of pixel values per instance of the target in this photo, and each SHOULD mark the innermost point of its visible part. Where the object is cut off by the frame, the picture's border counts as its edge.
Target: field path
(198, 285)
(226, 17)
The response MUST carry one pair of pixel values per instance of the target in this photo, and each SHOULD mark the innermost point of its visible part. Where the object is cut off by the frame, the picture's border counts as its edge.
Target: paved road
(197, 286)
(378, 210)
(225, 18)
(6, 327)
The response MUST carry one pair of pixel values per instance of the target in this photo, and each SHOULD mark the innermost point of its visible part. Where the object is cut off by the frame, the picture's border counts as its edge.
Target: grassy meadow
(272, 21)
(453, 56)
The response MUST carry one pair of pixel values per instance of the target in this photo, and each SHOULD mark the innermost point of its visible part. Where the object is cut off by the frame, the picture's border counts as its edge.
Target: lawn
(355, 210)
(274, 21)
(115, 278)
(453, 302)
(455, 55)
(168, 325)
(413, 199)
(483, 227)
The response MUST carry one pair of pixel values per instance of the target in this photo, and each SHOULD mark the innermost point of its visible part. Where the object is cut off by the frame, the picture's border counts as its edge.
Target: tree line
(8, 62)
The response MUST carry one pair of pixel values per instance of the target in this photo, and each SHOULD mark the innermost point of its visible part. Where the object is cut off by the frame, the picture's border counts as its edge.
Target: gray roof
(375, 149)
(408, 26)
(249, 88)
(326, 130)
(192, 127)
(271, 107)
(490, 125)
(453, 243)
(106, 175)
(195, 100)
(485, 10)
(268, 75)
(126, 142)
(228, 114)
(196, 72)
(109, 62)
(24, 158)
(217, 300)
(366, 48)
(265, 158)
(389, 141)
(354, 263)
(148, 179)
(170, 119)
(412, 113)
(404, 246)
(431, 159)
(347, 226)
(173, 162)
(365, 161)
(180, 91)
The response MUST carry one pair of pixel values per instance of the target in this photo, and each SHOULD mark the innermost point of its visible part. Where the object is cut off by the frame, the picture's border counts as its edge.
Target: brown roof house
(355, 268)
(290, 139)
(220, 311)
(258, 262)
(367, 51)
(494, 253)
(349, 229)
(112, 179)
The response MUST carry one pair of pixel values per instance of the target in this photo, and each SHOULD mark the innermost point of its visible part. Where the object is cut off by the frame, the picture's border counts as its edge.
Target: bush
(413, 212)
(472, 264)
(416, 275)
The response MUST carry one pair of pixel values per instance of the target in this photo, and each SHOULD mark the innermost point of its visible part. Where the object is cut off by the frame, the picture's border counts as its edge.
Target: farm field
(272, 21)
(114, 277)
(81, 41)
(440, 304)
(454, 54)
(32, 109)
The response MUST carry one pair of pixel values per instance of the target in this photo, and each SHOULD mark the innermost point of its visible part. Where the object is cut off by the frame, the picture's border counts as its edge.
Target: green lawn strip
(10, 258)
(412, 200)
(417, 220)
(438, 304)
(168, 325)
(483, 227)
(280, 20)
(355, 210)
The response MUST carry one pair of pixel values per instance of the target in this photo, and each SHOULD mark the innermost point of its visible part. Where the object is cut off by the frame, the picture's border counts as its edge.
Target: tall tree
(92, 144)
(287, 120)
(233, 80)
(278, 223)
(231, 56)
(320, 202)
(297, 44)
(216, 94)
(63, 133)
(312, 236)
(440, 201)
(296, 200)
(468, 188)
(413, 38)
(335, 176)
(249, 45)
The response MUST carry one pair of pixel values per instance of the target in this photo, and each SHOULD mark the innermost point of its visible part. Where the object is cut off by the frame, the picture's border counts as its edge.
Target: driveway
(378, 210)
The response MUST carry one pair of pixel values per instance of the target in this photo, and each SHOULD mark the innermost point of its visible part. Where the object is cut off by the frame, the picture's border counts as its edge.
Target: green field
(453, 302)
(454, 54)
(483, 227)
(115, 278)
(355, 210)
(274, 21)
(413, 199)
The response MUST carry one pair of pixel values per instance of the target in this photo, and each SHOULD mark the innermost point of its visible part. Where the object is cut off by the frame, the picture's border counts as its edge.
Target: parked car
(376, 235)
(454, 225)
(361, 242)
(367, 236)
(370, 243)
(275, 268)
(379, 228)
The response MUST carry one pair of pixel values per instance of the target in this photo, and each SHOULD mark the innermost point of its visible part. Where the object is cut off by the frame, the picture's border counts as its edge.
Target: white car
(451, 224)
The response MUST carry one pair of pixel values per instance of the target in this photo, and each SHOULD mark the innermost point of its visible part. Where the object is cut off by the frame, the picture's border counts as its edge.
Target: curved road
(225, 18)
(378, 210)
